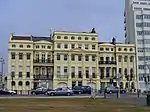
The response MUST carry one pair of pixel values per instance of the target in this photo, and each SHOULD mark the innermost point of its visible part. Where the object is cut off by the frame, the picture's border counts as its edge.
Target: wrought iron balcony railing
(43, 61)
(43, 77)
(62, 76)
(107, 62)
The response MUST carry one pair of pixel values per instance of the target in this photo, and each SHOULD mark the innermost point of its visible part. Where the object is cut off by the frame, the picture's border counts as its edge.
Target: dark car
(113, 89)
(40, 90)
(82, 90)
(7, 92)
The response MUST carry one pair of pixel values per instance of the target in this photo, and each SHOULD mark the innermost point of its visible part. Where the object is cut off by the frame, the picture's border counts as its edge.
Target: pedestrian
(105, 92)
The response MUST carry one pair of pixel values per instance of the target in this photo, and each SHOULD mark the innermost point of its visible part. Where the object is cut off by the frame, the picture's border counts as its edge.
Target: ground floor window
(73, 83)
(80, 83)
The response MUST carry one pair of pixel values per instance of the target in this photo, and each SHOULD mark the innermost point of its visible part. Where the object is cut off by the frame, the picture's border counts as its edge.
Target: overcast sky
(37, 17)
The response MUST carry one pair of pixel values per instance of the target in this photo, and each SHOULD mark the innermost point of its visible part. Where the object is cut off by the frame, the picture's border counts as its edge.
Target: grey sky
(37, 17)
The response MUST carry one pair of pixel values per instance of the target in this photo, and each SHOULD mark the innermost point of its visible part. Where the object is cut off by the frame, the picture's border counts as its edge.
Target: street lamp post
(1, 75)
(92, 91)
(147, 76)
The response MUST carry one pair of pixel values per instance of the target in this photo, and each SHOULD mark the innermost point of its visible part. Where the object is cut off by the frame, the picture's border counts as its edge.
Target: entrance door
(62, 85)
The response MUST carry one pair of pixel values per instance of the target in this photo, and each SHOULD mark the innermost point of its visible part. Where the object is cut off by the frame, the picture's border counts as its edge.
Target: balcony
(43, 77)
(41, 62)
(62, 77)
(107, 62)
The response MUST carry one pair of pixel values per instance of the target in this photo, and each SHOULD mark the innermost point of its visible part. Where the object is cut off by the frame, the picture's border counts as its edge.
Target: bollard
(138, 93)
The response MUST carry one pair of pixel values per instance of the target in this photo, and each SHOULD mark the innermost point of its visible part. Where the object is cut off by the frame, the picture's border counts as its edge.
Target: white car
(12, 92)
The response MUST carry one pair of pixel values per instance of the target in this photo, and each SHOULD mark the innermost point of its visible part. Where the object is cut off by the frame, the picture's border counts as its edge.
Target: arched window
(20, 83)
(27, 83)
(13, 83)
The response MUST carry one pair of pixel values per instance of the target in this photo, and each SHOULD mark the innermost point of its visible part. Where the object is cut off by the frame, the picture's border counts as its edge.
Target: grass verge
(67, 105)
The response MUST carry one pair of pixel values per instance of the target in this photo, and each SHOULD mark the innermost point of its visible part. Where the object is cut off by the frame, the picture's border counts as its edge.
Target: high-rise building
(66, 59)
(137, 31)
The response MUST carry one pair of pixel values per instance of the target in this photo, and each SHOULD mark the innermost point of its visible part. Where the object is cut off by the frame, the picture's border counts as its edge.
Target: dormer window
(101, 49)
(107, 49)
(65, 37)
(21, 46)
(112, 49)
(48, 47)
(93, 38)
(13, 45)
(43, 46)
(28, 46)
(37, 46)
(86, 38)
(72, 38)
(119, 49)
(79, 38)
(125, 49)
(58, 37)
(131, 49)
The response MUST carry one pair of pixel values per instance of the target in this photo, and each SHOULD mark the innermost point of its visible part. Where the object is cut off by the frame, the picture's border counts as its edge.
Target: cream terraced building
(66, 59)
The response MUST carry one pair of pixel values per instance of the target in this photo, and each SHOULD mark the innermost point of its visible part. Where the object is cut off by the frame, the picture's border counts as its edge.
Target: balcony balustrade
(107, 62)
(43, 77)
(43, 61)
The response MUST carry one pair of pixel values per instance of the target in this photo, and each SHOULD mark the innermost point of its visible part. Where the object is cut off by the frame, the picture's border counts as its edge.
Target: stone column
(69, 71)
(24, 65)
(97, 73)
(55, 68)
(83, 70)
(128, 67)
(16, 66)
(122, 67)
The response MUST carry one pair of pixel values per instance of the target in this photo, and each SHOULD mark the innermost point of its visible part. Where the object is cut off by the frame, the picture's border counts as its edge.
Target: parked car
(40, 90)
(60, 92)
(114, 89)
(82, 90)
(7, 92)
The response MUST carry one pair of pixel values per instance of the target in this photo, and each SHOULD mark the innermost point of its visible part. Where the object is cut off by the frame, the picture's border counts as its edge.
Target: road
(43, 96)
(125, 98)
